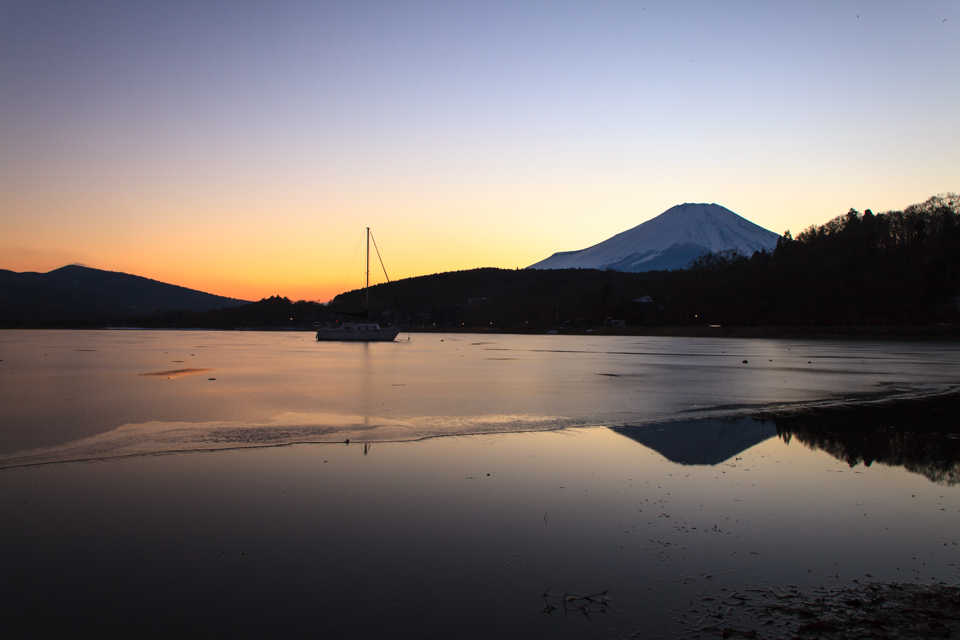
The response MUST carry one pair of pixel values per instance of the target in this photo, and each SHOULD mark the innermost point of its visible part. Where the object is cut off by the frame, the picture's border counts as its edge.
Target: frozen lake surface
(71, 395)
(662, 471)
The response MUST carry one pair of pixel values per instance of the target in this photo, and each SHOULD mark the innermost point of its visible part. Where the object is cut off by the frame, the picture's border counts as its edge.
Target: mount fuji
(670, 241)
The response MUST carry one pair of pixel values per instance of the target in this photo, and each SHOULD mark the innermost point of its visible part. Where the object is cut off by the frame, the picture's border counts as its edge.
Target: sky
(241, 148)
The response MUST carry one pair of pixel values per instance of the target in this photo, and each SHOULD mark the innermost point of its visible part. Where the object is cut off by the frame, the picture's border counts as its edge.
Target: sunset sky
(241, 148)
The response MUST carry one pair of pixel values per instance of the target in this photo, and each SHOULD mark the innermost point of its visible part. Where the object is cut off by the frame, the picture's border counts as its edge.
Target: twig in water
(587, 604)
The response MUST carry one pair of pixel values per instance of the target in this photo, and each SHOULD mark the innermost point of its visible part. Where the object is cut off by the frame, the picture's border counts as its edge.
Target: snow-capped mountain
(669, 241)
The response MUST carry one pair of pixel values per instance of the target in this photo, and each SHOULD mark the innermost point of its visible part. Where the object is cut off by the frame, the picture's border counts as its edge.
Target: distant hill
(672, 240)
(859, 270)
(76, 294)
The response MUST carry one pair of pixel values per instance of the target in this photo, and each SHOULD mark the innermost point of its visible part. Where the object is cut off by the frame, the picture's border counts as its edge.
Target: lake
(455, 485)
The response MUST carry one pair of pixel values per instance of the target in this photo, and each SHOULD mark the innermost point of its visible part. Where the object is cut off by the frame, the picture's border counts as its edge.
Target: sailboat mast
(367, 288)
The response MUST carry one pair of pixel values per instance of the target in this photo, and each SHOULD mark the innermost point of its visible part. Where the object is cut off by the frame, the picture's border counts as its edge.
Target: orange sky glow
(242, 149)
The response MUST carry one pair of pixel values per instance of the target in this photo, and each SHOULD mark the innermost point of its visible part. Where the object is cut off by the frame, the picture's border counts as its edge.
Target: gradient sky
(241, 148)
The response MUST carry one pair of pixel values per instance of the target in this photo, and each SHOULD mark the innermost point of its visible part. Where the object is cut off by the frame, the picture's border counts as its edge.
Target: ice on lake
(69, 395)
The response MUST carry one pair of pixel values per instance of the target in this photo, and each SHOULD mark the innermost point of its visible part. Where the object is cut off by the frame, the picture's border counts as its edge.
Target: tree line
(860, 269)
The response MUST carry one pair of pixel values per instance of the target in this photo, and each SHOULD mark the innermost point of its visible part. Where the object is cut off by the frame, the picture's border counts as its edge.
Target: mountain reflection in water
(922, 436)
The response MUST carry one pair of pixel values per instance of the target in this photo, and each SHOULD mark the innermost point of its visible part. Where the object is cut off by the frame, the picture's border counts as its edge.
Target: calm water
(687, 495)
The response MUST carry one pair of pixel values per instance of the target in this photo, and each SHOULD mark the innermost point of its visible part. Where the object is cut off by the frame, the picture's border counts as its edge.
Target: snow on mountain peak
(669, 241)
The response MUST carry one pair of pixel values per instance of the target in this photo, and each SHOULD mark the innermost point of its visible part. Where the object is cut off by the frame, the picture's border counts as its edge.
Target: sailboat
(360, 331)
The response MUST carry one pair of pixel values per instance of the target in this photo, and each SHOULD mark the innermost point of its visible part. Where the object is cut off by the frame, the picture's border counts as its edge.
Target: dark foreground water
(472, 535)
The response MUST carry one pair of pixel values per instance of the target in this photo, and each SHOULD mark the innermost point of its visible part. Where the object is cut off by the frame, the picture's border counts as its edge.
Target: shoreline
(817, 408)
(918, 332)
(921, 332)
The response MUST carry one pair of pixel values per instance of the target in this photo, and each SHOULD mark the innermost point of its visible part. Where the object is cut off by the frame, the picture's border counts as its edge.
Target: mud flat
(870, 610)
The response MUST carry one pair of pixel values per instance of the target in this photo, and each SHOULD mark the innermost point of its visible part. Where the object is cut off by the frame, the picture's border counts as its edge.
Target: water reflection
(922, 437)
(466, 537)
(702, 442)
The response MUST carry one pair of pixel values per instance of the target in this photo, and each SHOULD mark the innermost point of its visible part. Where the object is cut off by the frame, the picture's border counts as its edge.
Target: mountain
(76, 294)
(670, 241)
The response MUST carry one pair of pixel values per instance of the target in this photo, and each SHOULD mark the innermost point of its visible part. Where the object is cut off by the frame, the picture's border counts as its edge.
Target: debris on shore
(872, 610)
